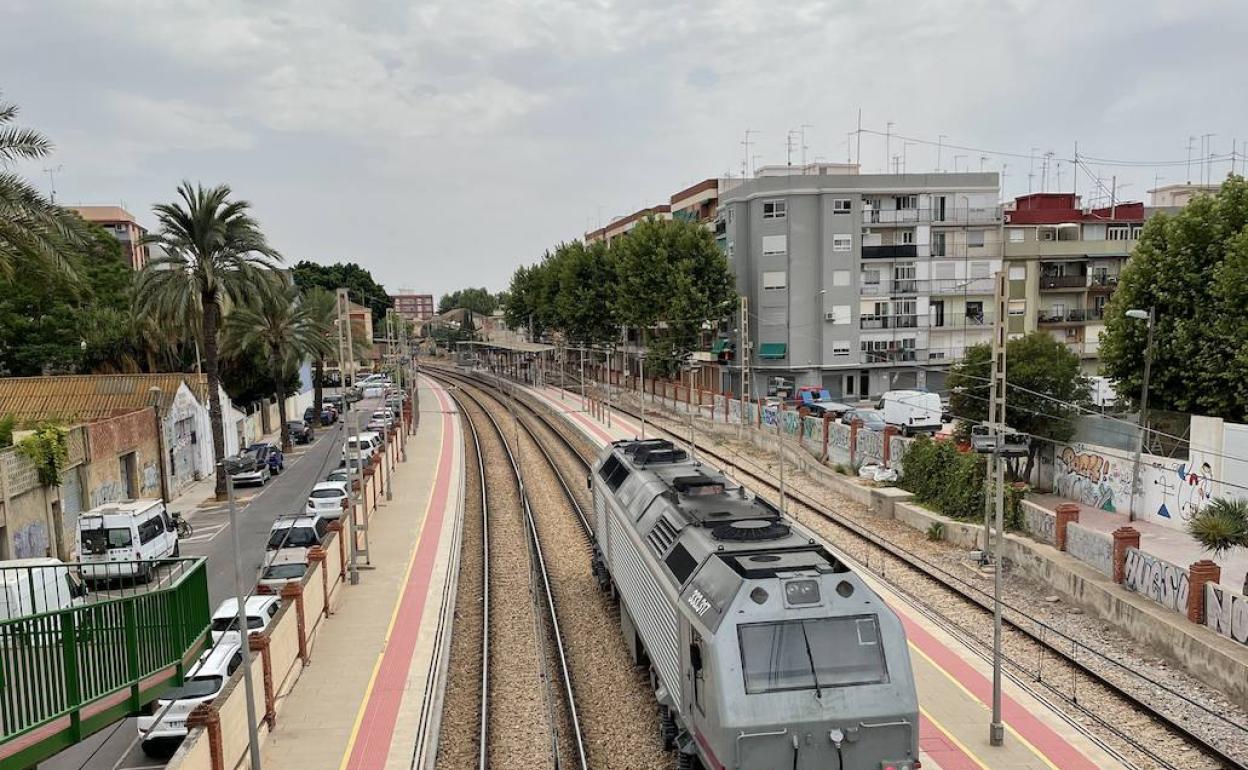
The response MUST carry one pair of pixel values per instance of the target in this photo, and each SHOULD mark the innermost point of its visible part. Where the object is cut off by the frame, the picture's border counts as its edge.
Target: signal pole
(996, 417)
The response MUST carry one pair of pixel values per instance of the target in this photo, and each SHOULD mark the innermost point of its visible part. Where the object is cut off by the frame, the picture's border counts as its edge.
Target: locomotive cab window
(613, 472)
(811, 654)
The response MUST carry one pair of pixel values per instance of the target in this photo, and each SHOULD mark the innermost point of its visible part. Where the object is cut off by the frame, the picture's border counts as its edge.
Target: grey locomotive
(765, 650)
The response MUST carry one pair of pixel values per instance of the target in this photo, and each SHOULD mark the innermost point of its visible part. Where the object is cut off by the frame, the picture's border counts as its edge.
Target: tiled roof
(90, 396)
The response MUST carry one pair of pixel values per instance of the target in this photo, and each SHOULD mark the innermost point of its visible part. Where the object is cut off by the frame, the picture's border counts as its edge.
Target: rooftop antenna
(53, 170)
(1206, 147)
(1058, 174)
(888, 143)
(956, 158)
(745, 160)
(1031, 170)
(788, 146)
(1190, 139)
(802, 130)
(754, 163)
(982, 160)
(940, 141)
(849, 147)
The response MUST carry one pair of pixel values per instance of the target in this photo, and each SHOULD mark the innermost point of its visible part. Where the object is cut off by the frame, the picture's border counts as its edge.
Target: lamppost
(1150, 317)
(153, 398)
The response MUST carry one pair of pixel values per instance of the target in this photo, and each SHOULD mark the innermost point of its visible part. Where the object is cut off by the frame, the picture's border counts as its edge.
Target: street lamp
(153, 398)
(1150, 317)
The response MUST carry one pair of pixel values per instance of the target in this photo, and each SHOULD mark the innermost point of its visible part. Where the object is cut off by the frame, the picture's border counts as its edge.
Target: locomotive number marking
(698, 602)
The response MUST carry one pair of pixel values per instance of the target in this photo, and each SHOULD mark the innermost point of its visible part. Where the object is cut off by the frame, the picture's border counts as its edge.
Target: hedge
(943, 478)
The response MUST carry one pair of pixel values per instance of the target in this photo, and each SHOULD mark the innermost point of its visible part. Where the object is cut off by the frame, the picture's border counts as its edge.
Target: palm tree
(1222, 525)
(286, 330)
(215, 256)
(33, 230)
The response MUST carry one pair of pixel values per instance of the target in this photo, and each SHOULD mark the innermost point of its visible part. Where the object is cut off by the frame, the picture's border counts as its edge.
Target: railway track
(614, 703)
(1142, 722)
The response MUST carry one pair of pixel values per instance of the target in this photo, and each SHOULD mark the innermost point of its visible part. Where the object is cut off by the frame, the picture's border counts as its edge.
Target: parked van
(121, 540)
(912, 411)
(204, 682)
(32, 586)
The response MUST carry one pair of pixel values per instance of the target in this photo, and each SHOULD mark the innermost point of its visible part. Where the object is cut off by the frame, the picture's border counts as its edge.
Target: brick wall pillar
(889, 432)
(854, 425)
(205, 715)
(827, 429)
(1124, 538)
(294, 591)
(1065, 513)
(316, 554)
(336, 526)
(260, 643)
(1198, 575)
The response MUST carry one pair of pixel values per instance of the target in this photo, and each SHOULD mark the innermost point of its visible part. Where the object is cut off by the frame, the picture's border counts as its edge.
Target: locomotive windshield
(812, 654)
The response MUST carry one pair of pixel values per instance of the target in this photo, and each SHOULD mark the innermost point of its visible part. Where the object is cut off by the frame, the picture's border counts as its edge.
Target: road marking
(209, 533)
(129, 747)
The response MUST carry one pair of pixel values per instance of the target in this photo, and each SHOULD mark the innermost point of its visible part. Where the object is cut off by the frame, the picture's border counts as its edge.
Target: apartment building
(860, 283)
(623, 225)
(123, 226)
(412, 306)
(1064, 261)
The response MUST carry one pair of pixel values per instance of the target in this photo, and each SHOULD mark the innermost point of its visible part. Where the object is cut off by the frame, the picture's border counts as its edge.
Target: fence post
(1124, 538)
(827, 420)
(295, 591)
(336, 526)
(1065, 513)
(889, 432)
(853, 440)
(1199, 574)
(316, 554)
(260, 643)
(205, 715)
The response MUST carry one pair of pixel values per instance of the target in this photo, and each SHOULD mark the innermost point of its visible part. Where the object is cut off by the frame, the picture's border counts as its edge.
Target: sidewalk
(1167, 543)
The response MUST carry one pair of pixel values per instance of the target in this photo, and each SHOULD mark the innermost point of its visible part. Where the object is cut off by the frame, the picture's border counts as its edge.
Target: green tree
(479, 301)
(286, 331)
(585, 279)
(1044, 390)
(34, 232)
(363, 288)
(215, 256)
(1222, 526)
(1192, 267)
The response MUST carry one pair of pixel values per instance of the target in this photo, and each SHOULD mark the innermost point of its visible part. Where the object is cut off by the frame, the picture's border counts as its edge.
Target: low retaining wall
(1096, 549)
(1159, 580)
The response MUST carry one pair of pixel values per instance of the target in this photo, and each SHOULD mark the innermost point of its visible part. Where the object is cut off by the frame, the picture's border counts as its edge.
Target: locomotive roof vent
(659, 456)
(631, 448)
(750, 531)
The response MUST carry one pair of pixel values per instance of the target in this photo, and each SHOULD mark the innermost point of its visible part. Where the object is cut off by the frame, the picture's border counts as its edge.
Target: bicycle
(185, 529)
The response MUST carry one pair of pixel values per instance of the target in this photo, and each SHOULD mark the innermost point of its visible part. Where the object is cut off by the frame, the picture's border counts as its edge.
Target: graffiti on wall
(1185, 490)
(1091, 547)
(1226, 612)
(1161, 581)
(1090, 478)
(108, 492)
(870, 447)
(151, 479)
(1040, 523)
(31, 541)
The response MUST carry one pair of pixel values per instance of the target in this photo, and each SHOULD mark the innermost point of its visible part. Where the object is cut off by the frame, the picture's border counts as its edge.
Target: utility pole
(253, 739)
(996, 418)
(51, 172)
(385, 437)
(641, 375)
(346, 366)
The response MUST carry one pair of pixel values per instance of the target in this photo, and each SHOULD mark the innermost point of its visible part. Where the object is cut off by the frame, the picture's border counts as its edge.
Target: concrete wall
(110, 442)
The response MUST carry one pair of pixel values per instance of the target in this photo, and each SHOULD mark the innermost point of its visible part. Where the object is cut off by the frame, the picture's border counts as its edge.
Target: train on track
(765, 650)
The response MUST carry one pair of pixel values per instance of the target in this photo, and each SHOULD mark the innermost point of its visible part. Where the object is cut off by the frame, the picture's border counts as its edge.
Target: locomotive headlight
(907, 764)
(798, 592)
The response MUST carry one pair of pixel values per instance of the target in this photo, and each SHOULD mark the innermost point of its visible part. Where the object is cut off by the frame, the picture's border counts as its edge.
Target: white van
(369, 444)
(121, 540)
(912, 411)
(203, 683)
(32, 586)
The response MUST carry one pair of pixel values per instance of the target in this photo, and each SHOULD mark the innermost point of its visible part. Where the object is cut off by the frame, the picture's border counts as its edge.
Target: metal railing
(976, 215)
(1063, 281)
(891, 321)
(67, 672)
(900, 251)
(961, 321)
(1074, 315)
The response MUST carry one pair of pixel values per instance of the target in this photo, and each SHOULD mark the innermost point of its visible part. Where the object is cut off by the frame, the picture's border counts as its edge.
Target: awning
(772, 350)
(719, 346)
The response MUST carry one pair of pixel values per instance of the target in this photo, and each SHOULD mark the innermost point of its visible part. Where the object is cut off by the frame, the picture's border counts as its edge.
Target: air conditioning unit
(829, 316)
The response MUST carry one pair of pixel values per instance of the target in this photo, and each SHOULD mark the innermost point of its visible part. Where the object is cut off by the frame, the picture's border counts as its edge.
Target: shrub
(48, 449)
(936, 531)
(950, 481)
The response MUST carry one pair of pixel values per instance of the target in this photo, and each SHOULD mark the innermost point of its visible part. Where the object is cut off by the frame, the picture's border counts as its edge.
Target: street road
(117, 747)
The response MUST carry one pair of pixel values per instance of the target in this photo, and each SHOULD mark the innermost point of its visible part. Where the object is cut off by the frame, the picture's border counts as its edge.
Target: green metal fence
(66, 674)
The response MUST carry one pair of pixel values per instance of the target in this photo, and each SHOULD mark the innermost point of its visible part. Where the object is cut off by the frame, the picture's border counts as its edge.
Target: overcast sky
(441, 144)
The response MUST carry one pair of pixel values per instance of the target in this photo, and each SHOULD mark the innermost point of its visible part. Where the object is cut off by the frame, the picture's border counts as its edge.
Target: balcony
(962, 286)
(1072, 316)
(1103, 282)
(976, 215)
(1063, 282)
(894, 287)
(891, 321)
(906, 251)
(889, 356)
(954, 321)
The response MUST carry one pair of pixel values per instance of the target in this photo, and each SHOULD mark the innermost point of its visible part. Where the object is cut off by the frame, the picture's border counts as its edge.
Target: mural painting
(1090, 478)
(1185, 490)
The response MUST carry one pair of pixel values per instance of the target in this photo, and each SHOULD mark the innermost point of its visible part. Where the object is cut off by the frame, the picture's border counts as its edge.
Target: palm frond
(1221, 526)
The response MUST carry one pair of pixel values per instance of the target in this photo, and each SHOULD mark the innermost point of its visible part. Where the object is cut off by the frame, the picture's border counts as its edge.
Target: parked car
(819, 403)
(271, 455)
(121, 540)
(912, 411)
(251, 466)
(340, 475)
(297, 531)
(870, 419)
(326, 499)
(298, 431)
(167, 724)
(328, 415)
(336, 401)
(260, 610)
(287, 565)
(33, 586)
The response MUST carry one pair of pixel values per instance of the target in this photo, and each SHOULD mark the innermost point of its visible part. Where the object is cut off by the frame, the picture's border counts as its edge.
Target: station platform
(954, 683)
(363, 702)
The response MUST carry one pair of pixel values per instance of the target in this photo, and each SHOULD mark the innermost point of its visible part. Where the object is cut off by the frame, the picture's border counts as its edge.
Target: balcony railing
(956, 321)
(1103, 281)
(892, 321)
(1074, 315)
(976, 215)
(889, 356)
(888, 288)
(906, 251)
(962, 286)
(1063, 281)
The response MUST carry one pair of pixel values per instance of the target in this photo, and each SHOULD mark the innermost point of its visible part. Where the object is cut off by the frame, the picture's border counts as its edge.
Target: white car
(260, 611)
(297, 532)
(203, 683)
(326, 499)
(288, 565)
(366, 444)
(122, 539)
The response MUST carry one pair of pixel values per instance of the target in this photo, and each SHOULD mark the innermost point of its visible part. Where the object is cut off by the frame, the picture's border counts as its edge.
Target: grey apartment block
(862, 283)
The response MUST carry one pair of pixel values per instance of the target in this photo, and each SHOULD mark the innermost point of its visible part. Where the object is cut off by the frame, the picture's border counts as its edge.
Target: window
(1135, 231)
(1118, 232)
(150, 530)
(841, 205)
(943, 271)
(840, 314)
(680, 563)
(907, 201)
(1018, 272)
(98, 541)
(775, 244)
(975, 311)
(774, 280)
(907, 237)
(613, 472)
(1016, 235)
(840, 348)
(938, 312)
(774, 209)
(842, 242)
(871, 277)
(938, 244)
(975, 238)
(840, 277)
(1018, 306)
(980, 269)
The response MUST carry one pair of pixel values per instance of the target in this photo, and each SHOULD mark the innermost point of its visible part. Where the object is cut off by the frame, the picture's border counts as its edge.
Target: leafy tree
(363, 288)
(585, 291)
(1192, 267)
(477, 300)
(34, 233)
(278, 324)
(215, 256)
(1044, 390)
(1222, 526)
